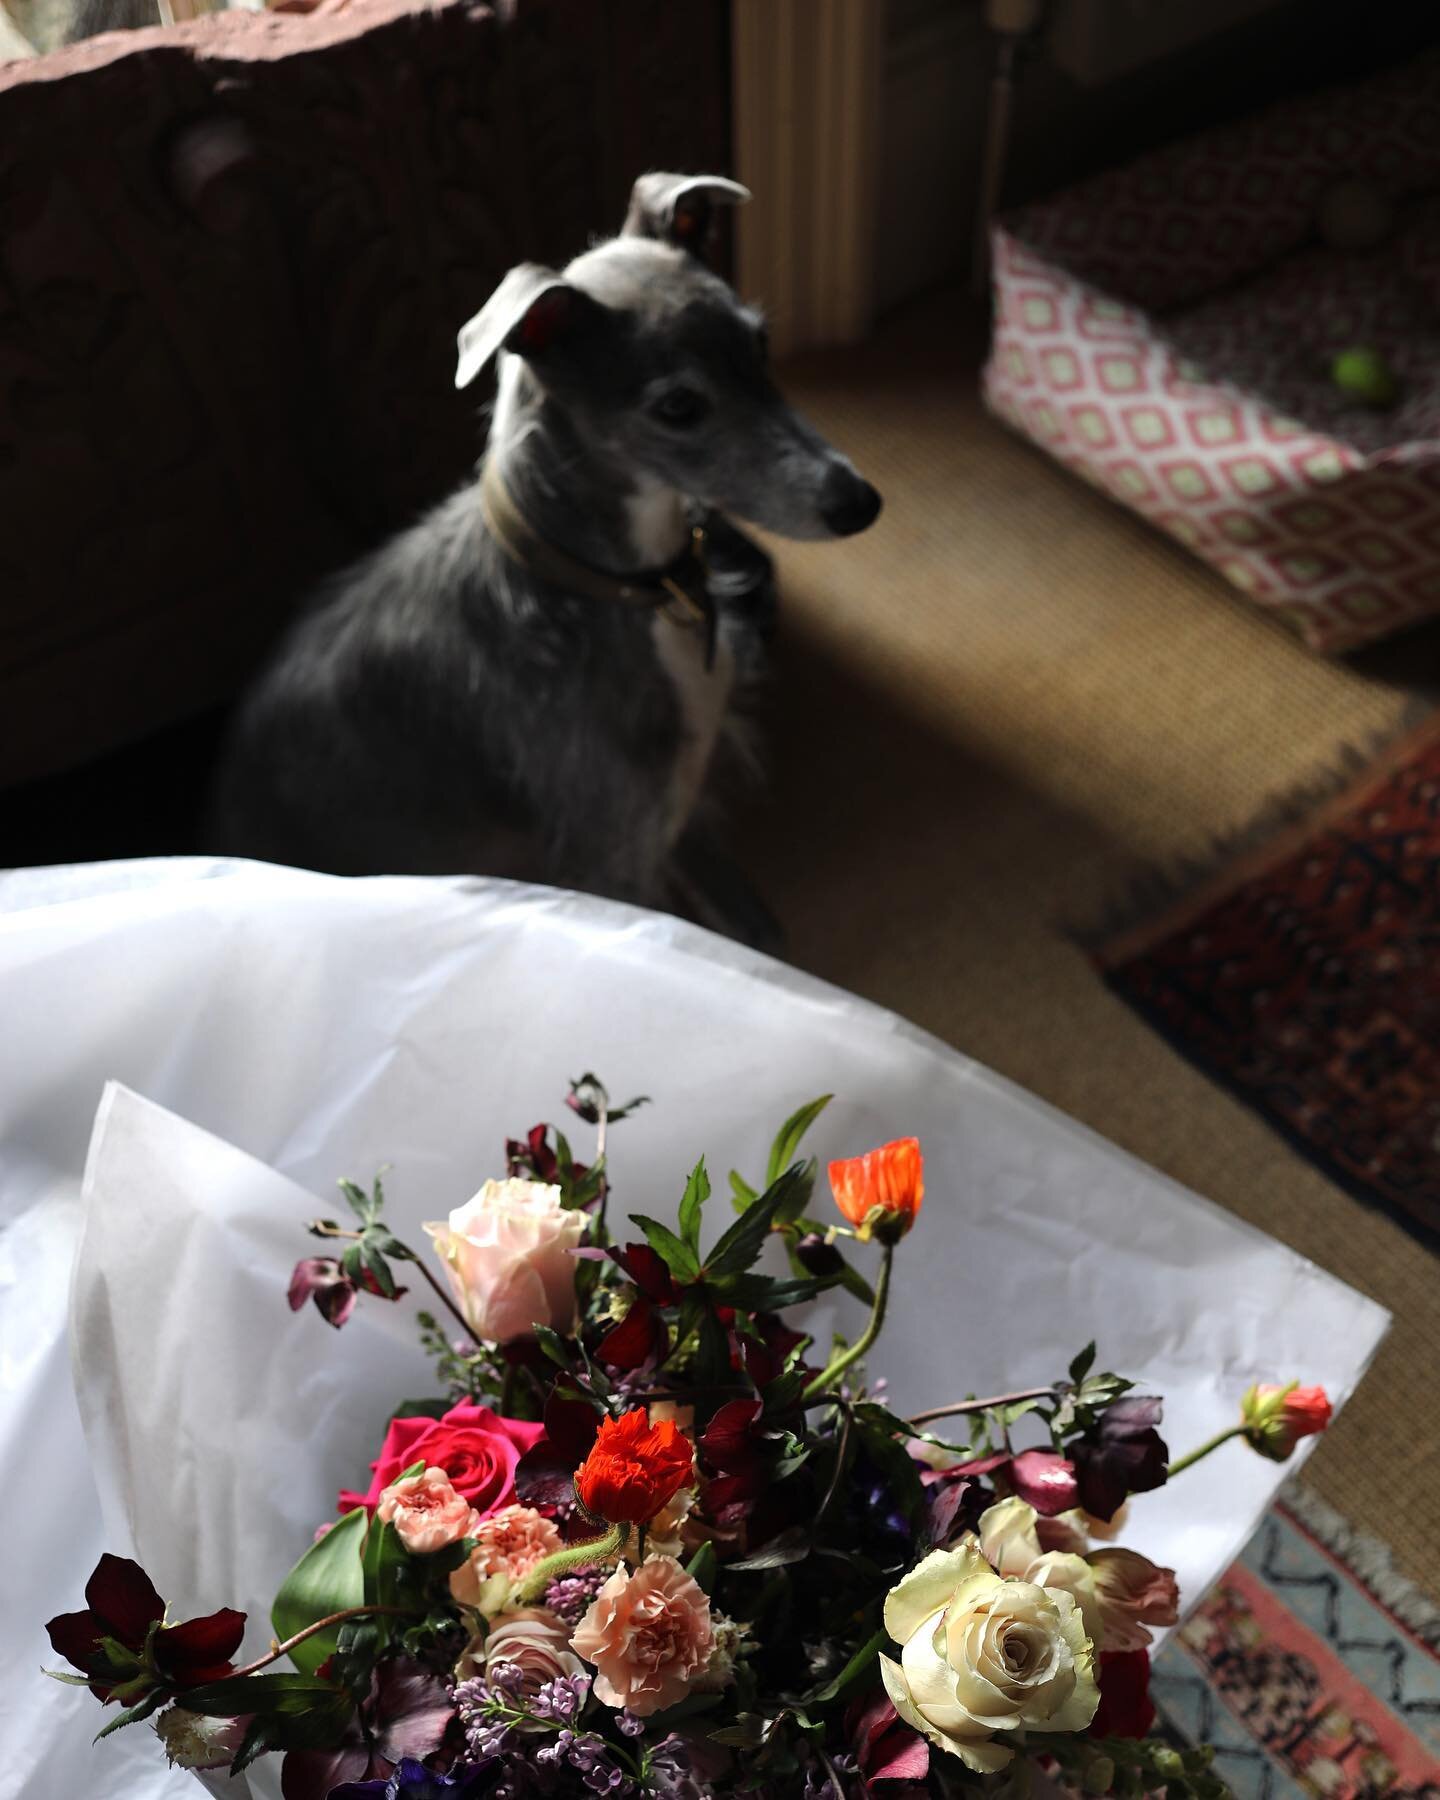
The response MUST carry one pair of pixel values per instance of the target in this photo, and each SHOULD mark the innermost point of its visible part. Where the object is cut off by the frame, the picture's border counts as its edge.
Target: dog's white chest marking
(659, 528)
(704, 695)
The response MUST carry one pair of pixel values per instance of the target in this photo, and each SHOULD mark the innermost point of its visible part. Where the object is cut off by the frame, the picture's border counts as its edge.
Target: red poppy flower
(634, 1469)
(122, 1606)
(880, 1192)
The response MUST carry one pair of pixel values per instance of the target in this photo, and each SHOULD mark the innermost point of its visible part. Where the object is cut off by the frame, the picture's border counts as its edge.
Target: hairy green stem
(1220, 1437)
(867, 1337)
(577, 1556)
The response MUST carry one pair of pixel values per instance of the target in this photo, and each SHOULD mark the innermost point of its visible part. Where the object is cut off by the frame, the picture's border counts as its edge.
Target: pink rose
(509, 1543)
(533, 1640)
(1133, 1592)
(426, 1511)
(507, 1253)
(648, 1635)
(475, 1447)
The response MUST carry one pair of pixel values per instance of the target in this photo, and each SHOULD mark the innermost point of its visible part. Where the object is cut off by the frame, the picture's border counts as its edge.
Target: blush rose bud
(880, 1193)
(1274, 1419)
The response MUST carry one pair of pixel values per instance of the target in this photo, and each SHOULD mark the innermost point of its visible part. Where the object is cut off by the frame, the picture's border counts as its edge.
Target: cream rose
(507, 1253)
(533, 1639)
(649, 1636)
(1132, 1592)
(982, 1655)
(1008, 1536)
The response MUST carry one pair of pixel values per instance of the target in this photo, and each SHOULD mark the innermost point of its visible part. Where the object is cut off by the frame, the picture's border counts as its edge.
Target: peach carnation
(426, 1511)
(648, 1635)
(509, 1543)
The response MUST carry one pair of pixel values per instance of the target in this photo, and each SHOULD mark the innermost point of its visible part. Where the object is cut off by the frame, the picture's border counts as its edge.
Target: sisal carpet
(988, 712)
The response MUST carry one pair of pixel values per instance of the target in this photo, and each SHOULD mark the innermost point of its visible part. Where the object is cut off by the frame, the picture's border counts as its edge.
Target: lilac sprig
(498, 1718)
(570, 1597)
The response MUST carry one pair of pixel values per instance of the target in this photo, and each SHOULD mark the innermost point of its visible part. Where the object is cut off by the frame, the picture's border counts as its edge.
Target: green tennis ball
(1364, 375)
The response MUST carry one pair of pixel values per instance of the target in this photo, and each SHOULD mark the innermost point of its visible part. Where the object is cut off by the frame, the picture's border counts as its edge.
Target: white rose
(507, 1253)
(982, 1655)
(1010, 1538)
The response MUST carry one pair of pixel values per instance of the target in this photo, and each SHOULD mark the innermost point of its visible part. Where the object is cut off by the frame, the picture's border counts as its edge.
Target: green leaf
(132, 1714)
(762, 1293)
(784, 1391)
(712, 1354)
(377, 1266)
(67, 1678)
(855, 1283)
(790, 1546)
(328, 1578)
(787, 1139)
(238, 1694)
(697, 1192)
(742, 1243)
(552, 1344)
(682, 1262)
(850, 1676)
(386, 1564)
(1083, 1363)
(703, 1567)
(897, 1466)
(359, 1200)
(741, 1192)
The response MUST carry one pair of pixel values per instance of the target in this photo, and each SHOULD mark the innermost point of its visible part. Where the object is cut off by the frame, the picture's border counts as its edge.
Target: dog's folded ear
(532, 312)
(677, 209)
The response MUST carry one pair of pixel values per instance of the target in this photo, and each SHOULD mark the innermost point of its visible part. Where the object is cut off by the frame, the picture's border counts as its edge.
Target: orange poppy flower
(880, 1192)
(634, 1469)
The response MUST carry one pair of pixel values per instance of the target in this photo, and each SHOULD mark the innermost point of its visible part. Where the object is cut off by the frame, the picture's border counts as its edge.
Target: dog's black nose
(847, 504)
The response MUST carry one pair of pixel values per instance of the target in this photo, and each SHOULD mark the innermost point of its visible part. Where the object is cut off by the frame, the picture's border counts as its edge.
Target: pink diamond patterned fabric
(1167, 331)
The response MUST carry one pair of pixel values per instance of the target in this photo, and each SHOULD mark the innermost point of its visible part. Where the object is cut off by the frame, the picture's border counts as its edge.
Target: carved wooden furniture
(233, 258)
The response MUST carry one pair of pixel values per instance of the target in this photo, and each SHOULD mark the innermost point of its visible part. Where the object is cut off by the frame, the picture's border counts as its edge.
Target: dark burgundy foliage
(1046, 1480)
(405, 1715)
(321, 1279)
(1124, 1454)
(533, 1156)
(122, 1604)
(545, 1474)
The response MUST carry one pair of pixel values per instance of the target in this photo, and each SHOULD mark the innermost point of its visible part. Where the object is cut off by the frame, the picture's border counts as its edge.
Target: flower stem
(974, 1406)
(447, 1302)
(276, 1651)
(576, 1556)
(867, 1337)
(1193, 1456)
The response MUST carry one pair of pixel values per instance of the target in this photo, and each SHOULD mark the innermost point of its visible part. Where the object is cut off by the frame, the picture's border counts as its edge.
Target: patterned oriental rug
(1306, 979)
(1311, 1666)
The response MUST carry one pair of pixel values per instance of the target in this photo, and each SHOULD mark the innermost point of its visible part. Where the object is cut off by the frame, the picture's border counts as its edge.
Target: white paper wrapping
(272, 1030)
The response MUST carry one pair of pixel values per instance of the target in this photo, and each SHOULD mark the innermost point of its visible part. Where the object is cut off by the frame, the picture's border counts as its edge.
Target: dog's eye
(680, 407)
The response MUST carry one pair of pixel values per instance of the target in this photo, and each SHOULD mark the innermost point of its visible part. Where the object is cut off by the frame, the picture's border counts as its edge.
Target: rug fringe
(1370, 1560)
(1155, 889)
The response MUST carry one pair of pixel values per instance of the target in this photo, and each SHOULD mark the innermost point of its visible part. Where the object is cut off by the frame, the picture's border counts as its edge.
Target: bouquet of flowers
(651, 1538)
